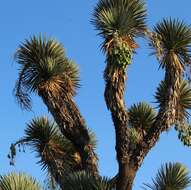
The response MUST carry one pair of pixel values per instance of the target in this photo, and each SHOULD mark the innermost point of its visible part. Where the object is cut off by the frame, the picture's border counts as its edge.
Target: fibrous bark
(72, 126)
(166, 117)
(130, 157)
(115, 77)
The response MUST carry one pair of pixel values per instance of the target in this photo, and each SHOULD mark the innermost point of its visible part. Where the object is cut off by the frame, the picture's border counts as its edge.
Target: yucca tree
(56, 154)
(171, 41)
(143, 120)
(171, 176)
(119, 22)
(45, 70)
(20, 181)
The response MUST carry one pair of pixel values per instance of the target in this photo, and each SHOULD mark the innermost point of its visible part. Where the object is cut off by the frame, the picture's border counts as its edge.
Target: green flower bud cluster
(184, 133)
(121, 54)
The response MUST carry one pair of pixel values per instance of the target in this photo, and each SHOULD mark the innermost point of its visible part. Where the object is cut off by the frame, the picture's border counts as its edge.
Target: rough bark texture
(114, 96)
(56, 170)
(129, 155)
(72, 126)
(166, 116)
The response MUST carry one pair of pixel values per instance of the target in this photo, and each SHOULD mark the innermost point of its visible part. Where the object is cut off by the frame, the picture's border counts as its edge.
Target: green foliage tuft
(126, 17)
(21, 181)
(172, 36)
(43, 66)
(141, 116)
(172, 176)
(84, 181)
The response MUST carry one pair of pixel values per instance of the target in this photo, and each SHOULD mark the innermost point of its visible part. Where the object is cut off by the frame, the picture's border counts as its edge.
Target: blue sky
(69, 22)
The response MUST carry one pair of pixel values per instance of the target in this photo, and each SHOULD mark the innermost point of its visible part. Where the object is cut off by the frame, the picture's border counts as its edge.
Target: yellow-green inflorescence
(121, 53)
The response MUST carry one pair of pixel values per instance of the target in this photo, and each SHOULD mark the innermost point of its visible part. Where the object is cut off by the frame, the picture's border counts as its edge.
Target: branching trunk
(166, 117)
(73, 127)
(130, 157)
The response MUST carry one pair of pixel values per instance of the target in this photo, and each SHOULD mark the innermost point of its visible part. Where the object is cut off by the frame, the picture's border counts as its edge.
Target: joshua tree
(119, 22)
(45, 70)
(173, 95)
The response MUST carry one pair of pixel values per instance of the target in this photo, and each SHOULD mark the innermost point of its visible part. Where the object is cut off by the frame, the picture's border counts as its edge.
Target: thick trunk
(122, 149)
(114, 96)
(73, 127)
(125, 181)
(126, 176)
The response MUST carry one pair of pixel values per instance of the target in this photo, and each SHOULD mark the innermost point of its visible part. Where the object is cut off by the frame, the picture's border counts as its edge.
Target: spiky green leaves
(141, 116)
(183, 99)
(19, 181)
(119, 21)
(85, 181)
(172, 37)
(45, 138)
(172, 176)
(126, 17)
(53, 150)
(44, 67)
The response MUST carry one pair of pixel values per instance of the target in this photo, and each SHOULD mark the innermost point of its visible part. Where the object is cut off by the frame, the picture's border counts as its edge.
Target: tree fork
(73, 127)
(166, 116)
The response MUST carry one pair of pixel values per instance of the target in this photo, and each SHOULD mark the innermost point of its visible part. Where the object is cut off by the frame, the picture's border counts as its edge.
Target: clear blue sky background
(69, 22)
